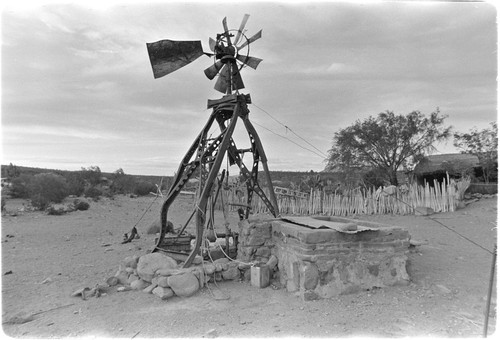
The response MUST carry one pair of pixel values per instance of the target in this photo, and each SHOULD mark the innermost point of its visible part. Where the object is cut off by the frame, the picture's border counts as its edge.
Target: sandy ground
(45, 258)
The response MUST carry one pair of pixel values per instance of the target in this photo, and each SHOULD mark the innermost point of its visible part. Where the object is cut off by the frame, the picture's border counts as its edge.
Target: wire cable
(288, 139)
(288, 128)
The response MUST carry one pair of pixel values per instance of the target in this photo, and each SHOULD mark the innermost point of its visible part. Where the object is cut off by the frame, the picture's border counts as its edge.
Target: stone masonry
(321, 263)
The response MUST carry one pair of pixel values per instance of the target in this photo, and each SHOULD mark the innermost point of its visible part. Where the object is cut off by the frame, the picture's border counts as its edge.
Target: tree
(483, 144)
(386, 143)
(92, 175)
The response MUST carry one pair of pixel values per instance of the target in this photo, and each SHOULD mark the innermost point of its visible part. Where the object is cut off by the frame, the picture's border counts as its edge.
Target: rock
(273, 261)
(130, 261)
(232, 273)
(139, 284)
(148, 264)
(122, 276)
(244, 266)
(163, 293)
(442, 289)
(163, 282)
(155, 227)
(218, 267)
(123, 289)
(132, 278)
(222, 260)
(112, 281)
(424, 211)
(211, 333)
(311, 276)
(184, 285)
(149, 289)
(129, 270)
(200, 275)
(197, 260)
(209, 269)
(169, 271)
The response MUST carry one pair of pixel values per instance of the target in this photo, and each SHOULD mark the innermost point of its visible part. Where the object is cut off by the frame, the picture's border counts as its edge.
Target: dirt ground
(45, 258)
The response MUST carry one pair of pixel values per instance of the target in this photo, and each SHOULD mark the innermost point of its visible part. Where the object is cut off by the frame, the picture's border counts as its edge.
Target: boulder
(163, 293)
(148, 264)
(122, 276)
(209, 269)
(130, 261)
(163, 282)
(184, 285)
(170, 271)
(139, 284)
(232, 273)
(132, 278)
(155, 227)
(149, 289)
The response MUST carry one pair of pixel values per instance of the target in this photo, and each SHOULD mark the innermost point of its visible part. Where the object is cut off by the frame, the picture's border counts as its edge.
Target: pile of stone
(159, 274)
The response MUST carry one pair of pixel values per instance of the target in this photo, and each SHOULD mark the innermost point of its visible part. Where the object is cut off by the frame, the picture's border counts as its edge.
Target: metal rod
(490, 288)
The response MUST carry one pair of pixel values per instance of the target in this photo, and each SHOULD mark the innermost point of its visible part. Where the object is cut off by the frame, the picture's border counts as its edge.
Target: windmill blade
(211, 44)
(242, 27)
(256, 36)
(222, 83)
(167, 56)
(226, 31)
(212, 71)
(237, 81)
(250, 61)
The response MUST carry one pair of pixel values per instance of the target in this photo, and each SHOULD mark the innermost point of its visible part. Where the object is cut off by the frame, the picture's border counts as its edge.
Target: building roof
(451, 162)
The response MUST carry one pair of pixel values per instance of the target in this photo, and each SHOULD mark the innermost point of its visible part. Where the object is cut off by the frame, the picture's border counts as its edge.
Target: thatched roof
(451, 163)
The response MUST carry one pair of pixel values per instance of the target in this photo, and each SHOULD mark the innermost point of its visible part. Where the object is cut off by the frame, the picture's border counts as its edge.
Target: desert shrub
(19, 187)
(123, 184)
(93, 193)
(47, 188)
(81, 205)
(143, 188)
(76, 183)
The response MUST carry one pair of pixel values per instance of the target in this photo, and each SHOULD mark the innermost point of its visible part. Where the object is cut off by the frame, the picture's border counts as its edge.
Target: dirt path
(51, 256)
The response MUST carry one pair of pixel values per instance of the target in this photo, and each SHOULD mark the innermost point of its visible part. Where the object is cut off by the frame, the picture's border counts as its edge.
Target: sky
(78, 88)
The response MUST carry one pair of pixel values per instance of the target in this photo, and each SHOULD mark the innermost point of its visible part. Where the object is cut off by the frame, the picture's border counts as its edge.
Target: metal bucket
(259, 276)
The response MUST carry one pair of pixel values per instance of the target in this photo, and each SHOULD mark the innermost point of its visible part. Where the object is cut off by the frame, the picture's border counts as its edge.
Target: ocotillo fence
(441, 197)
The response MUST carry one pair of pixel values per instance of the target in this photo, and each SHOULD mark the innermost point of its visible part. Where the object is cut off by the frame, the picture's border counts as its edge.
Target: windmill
(230, 53)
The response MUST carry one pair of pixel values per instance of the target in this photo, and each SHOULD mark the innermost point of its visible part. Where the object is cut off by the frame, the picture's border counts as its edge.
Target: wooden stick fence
(441, 197)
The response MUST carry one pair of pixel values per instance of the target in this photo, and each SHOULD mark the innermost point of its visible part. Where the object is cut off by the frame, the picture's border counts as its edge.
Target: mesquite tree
(483, 144)
(387, 142)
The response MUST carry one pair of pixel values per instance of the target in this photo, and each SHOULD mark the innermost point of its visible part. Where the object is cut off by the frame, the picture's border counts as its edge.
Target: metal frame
(206, 155)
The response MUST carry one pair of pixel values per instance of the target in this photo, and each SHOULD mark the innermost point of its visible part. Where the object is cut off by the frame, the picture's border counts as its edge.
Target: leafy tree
(47, 188)
(483, 144)
(92, 175)
(122, 183)
(387, 142)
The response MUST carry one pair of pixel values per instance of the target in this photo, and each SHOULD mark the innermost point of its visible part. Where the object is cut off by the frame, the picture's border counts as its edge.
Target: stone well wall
(321, 263)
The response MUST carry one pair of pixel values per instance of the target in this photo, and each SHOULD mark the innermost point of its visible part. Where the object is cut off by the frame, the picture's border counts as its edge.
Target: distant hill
(280, 178)
(31, 171)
